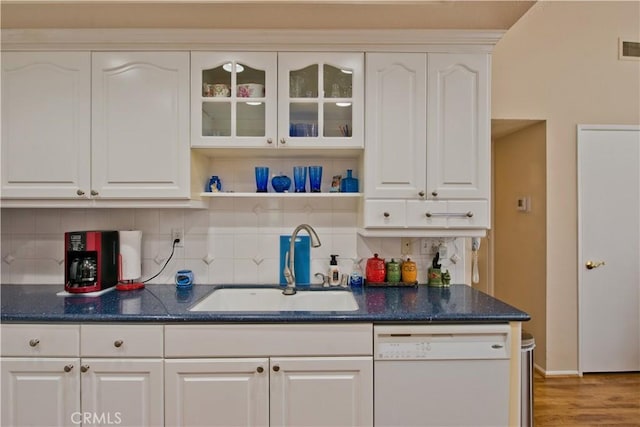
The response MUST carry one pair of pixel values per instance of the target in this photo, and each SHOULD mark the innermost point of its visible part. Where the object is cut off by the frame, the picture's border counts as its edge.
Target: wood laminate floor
(593, 400)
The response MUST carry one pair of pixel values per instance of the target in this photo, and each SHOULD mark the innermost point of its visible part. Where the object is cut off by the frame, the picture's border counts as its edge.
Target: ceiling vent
(629, 50)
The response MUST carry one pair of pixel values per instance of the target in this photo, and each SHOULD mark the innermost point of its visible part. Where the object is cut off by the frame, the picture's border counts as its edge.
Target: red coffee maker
(92, 260)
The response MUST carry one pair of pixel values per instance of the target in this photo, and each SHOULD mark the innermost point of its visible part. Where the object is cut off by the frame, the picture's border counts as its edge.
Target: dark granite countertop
(166, 304)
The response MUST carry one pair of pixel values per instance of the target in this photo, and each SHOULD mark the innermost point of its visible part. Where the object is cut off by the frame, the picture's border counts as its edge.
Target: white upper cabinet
(140, 125)
(46, 98)
(458, 126)
(320, 100)
(395, 155)
(233, 99)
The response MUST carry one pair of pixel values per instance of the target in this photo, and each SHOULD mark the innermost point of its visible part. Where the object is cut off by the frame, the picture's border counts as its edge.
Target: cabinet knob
(68, 368)
(260, 369)
(434, 193)
(94, 193)
(469, 214)
(269, 141)
(34, 342)
(593, 264)
(84, 368)
(283, 141)
(428, 214)
(118, 343)
(276, 368)
(80, 193)
(386, 214)
(421, 194)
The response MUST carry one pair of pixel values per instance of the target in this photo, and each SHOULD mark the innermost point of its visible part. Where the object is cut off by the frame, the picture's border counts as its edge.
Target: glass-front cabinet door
(320, 101)
(233, 99)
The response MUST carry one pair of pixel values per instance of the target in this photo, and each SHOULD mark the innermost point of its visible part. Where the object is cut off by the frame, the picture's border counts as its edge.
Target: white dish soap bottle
(334, 271)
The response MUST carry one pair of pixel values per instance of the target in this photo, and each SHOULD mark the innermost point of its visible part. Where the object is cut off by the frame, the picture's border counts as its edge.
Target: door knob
(593, 264)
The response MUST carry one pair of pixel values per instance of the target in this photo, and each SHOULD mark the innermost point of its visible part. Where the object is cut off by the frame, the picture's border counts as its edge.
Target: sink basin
(272, 299)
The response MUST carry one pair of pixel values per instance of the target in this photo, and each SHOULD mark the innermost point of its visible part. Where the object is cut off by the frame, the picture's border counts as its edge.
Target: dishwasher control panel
(439, 342)
(403, 350)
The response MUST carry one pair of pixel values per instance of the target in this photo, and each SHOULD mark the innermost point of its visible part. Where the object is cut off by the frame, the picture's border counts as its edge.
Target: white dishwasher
(441, 375)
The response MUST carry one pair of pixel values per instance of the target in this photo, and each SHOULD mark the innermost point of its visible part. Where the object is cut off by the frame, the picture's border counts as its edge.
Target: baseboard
(546, 373)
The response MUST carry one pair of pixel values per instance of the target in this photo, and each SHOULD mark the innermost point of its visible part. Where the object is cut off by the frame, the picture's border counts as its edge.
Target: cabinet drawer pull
(386, 214)
(497, 346)
(269, 141)
(276, 368)
(421, 194)
(80, 193)
(434, 193)
(260, 369)
(118, 343)
(34, 342)
(94, 193)
(68, 368)
(464, 214)
(283, 141)
(84, 368)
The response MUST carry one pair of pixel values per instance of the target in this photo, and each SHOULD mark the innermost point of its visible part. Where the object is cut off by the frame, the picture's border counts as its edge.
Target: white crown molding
(282, 40)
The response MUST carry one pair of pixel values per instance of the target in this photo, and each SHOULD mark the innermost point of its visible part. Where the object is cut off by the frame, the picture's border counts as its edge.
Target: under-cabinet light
(254, 103)
(343, 104)
(229, 66)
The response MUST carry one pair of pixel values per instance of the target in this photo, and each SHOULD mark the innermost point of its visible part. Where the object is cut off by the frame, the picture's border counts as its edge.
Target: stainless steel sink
(272, 299)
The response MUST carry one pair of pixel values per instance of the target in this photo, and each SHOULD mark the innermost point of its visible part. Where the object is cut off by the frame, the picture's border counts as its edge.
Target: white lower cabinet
(52, 385)
(278, 383)
(42, 365)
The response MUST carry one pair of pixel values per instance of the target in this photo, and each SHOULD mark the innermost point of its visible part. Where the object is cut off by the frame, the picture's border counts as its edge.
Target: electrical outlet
(177, 234)
(425, 247)
(406, 246)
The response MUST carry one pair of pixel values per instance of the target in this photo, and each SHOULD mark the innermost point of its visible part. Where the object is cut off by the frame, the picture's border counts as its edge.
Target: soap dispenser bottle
(334, 271)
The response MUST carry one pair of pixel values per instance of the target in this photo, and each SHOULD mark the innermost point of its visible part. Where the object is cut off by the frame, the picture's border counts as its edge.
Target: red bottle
(376, 270)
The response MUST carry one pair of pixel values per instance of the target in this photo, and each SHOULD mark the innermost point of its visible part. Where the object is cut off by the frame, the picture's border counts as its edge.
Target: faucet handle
(324, 277)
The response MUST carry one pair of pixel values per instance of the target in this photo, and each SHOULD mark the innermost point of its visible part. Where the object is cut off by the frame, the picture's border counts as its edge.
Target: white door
(126, 392)
(321, 391)
(46, 119)
(217, 392)
(396, 153)
(609, 247)
(40, 392)
(140, 125)
(458, 128)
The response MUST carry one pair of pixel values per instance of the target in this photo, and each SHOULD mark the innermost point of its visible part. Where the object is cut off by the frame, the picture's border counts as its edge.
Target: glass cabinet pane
(216, 119)
(338, 119)
(250, 119)
(303, 83)
(337, 82)
(216, 82)
(303, 119)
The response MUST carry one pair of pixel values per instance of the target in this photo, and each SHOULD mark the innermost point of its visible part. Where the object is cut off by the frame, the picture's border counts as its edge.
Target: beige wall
(559, 63)
(520, 238)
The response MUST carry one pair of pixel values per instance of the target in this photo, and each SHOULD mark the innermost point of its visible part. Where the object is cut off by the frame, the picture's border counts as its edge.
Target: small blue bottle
(349, 184)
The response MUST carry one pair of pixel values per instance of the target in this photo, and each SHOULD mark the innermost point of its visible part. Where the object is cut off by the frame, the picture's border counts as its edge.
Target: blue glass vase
(349, 184)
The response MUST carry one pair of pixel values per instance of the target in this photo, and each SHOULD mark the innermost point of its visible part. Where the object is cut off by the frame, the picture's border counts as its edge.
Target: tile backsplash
(236, 240)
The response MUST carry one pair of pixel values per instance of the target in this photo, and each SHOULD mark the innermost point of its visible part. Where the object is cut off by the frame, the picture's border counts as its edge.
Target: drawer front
(268, 340)
(121, 340)
(384, 213)
(426, 214)
(468, 214)
(40, 340)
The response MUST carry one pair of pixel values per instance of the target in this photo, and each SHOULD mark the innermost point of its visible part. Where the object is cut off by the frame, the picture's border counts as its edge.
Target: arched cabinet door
(140, 125)
(458, 127)
(233, 99)
(46, 134)
(321, 100)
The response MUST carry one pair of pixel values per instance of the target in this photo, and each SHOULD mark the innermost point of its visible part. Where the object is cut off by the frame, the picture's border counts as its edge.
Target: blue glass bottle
(349, 184)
